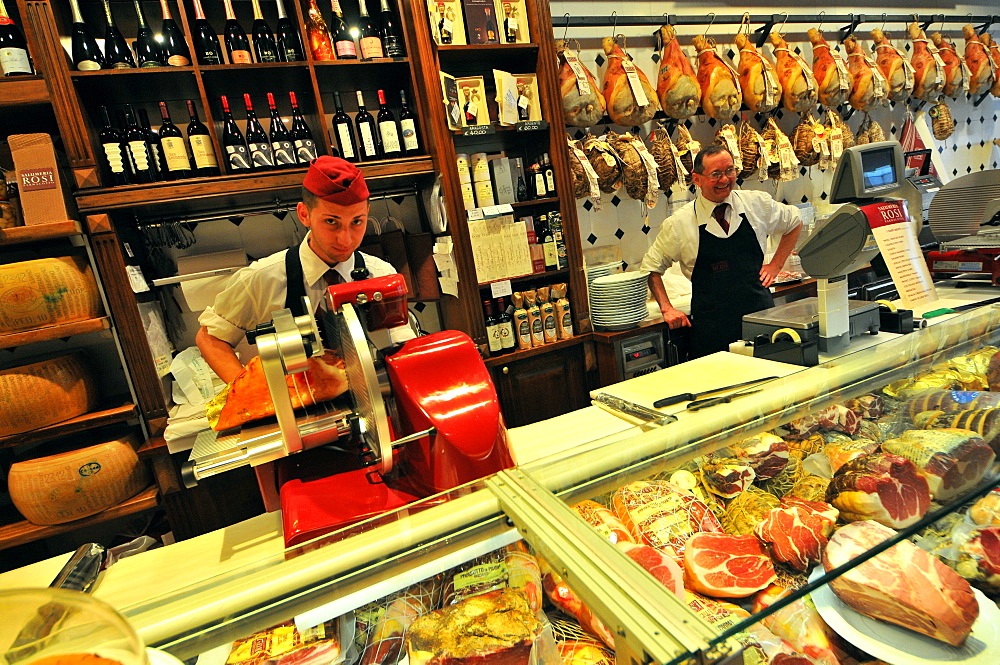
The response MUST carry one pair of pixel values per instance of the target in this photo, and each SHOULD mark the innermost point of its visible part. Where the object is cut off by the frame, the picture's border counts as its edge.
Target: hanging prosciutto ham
(833, 81)
(757, 78)
(720, 91)
(897, 70)
(981, 75)
(867, 83)
(677, 86)
(956, 73)
(630, 98)
(583, 103)
(928, 69)
(798, 86)
(995, 57)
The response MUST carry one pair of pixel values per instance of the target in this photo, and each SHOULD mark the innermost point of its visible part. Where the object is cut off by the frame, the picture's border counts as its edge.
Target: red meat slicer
(423, 417)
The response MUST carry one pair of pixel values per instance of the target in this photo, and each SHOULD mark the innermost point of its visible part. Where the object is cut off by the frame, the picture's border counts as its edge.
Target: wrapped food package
(750, 149)
(953, 461)
(799, 91)
(833, 81)
(638, 167)
(604, 161)
(283, 644)
(605, 521)
(381, 626)
(583, 103)
(807, 137)
(667, 159)
(661, 515)
(757, 78)
(746, 510)
(563, 597)
(687, 148)
(898, 72)
(800, 624)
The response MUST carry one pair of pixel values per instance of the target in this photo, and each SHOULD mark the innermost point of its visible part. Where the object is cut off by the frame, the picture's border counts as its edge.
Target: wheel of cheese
(44, 292)
(71, 485)
(45, 392)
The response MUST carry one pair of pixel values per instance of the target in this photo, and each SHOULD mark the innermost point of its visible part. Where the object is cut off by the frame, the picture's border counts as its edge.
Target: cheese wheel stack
(45, 292)
(45, 392)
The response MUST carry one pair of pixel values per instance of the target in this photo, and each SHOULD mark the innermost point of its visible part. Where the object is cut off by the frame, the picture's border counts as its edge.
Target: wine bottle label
(344, 138)
(393, 46)
(551, 255)
(493, 336)
(283, 153)
(550, 181)
(239, 159)
(211, 58)
(409, 128)
(260, 154)
(88, 65)
(149, 64)
(267, 55)
(240, 57)
(121, 65)
(175, 153)
(506, 335)
(305, 150)
(204, 155)
(367, 141)
(14, 61)
(390, 136)
(178, 61)
(371, 47)
(116, 160)
(346, 48)
(140, 155)
(540, 185)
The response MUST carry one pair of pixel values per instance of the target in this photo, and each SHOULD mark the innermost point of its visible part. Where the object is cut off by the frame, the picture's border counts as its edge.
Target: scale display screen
(878, 168)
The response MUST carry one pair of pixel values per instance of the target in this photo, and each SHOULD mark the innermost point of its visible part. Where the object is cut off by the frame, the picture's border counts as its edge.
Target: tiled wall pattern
(629, 225)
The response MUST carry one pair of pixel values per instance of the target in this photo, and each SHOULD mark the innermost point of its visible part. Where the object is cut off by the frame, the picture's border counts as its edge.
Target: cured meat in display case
(844, 513)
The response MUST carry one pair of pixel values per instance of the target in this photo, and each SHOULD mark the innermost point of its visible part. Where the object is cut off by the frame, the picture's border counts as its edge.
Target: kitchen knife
(959, 308)
(638, 411)
(705, 403)
(687, 397)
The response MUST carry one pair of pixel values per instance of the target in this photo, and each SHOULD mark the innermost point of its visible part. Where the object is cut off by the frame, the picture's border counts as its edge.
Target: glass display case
(704, 583)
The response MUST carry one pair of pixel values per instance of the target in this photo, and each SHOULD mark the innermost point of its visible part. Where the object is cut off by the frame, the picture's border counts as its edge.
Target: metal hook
(566, 31)
(745, 23)
(783, 22)
(712, 14)
(614, 24)
(821, 15)
(883, 22)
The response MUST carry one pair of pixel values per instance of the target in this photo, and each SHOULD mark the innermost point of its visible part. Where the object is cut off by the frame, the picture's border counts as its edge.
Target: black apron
(725, 285)
(296, 288)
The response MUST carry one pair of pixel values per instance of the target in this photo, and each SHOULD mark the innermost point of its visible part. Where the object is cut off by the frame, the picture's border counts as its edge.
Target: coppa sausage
(605, 521)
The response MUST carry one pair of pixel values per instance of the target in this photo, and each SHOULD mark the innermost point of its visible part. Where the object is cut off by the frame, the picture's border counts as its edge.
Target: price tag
(908, 71)
(531, 125)
(501, 289)
(478, 130)
(634, 82)
(522, 101)
(447, 25)
(491, 211)
(582, 84)
(472, 109)
(136, 280)
(966, 76)
(476, 215)
(843, 76)
(512, 24)
(939, 69)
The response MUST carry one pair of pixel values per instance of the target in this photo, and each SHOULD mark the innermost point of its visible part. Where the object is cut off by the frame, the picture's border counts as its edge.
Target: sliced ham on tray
(724, 566)
(797, 531)
(883, 487)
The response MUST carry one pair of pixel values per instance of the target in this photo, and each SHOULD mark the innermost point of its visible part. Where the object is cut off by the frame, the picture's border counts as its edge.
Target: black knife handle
(674, 399)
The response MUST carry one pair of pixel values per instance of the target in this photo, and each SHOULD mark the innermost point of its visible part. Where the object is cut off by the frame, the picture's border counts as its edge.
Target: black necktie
(720, 216)
(332, 277)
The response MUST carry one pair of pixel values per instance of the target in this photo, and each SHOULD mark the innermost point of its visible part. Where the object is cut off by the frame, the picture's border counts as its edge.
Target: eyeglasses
(715, 175)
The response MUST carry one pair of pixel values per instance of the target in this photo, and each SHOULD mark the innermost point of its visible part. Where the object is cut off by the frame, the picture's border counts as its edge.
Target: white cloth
(677, 240)
(253, 293)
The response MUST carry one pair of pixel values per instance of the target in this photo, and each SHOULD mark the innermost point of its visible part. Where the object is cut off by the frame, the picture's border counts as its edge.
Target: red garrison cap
(336, 180)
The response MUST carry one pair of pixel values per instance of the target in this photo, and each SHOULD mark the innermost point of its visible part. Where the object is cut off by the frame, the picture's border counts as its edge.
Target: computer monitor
(868, 171)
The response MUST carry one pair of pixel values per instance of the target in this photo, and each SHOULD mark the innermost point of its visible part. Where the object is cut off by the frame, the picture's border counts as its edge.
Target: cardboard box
(449, 96)
(513, 20)
(482, 26)
(44, 193)
(503, 184)
(528, 103)
(472, 97)
(447, 22)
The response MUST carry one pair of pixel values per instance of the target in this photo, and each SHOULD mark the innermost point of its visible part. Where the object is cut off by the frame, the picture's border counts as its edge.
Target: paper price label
(634, 82)
(523, 101)
(582, 84)
(472, 109)
(843, 76)
(939, 65)
(591, 175)
(501, 289)
(806, 70)
(652, 182)
(966, 76)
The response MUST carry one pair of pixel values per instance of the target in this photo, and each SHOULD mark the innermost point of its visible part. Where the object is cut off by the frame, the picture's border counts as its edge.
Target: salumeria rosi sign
(35, 179)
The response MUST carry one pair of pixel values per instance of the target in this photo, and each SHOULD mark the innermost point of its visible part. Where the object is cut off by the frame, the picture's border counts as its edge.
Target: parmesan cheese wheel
(44, 292)
(75, 484)
(45, 392)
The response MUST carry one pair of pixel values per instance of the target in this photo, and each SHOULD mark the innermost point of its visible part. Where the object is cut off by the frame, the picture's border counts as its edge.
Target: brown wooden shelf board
(23, 532)
(252, 65)
(355, 63)
(132, 71)
(10, 340)
(23, 91)
(534, 202)
(497, 361)
(22, 234)
(105, 416)
(482, 48)
(153, 447)
(549, 274)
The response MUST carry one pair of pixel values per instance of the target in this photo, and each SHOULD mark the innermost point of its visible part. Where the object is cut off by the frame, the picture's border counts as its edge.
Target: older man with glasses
(720, 240)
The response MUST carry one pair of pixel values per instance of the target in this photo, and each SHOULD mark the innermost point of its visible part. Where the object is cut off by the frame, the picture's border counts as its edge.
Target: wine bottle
(506, 325)
(371, 39)
(536, 181)
(392, 36)
(343, 42)
(261, 155)
(510, 26)
(205, 163)
(550, 175)
(14, 60)
(388, 130)
(153, 141)
(319, 37)
(302, 138)
(367, 131)
(522, 187)
(147, 51)
(343, 131)
(87, 56)
(289, 41)
(117, 54)
(206, 42)
(263, 40)
(236, 39)
(115, 151)
(408, 127)
(492, 329)
(175, 49)
(143, 168)
(237, 154)
(176, 164)
(446, 23)
(281, 138)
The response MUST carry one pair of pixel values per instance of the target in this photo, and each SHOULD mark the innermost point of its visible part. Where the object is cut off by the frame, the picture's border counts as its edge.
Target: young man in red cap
(334, 208)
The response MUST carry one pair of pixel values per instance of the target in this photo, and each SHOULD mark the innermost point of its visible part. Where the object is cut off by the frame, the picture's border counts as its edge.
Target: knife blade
(687, 397)
(705, 403)
(638, 411)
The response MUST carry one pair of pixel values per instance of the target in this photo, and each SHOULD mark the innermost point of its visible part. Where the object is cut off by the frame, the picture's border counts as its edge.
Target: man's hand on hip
(674, 318)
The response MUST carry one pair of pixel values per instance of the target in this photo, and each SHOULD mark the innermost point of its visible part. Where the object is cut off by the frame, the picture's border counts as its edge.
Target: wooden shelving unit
(118, 412)
(500, 361)
(19, 91)
(36, 232)
(61, 331)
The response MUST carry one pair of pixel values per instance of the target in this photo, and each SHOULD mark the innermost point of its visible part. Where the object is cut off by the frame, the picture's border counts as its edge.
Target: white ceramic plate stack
(593, 272)
(618, 301)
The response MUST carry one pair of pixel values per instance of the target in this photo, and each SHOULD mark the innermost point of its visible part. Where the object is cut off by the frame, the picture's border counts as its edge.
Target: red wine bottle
(14, 60)
(261, 155)
(388, 130)
(115, 152)
(176, 164)
(175, 49)
(117, 54)
(302, 138)
(392, 35)
(236, 39)
(408, 127)
(143, 166)
(87, 55)
(237, 154)
(343, 42)
(367, 131)
(343, 131)
(205, 163)
(147, 51)
(371, 38)
(289, 40)
(153, 141)
(264, 45)
(281, 138)
(206, 42)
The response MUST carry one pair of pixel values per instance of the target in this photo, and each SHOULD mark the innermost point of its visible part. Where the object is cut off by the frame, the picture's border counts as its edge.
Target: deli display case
(691, 559)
